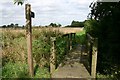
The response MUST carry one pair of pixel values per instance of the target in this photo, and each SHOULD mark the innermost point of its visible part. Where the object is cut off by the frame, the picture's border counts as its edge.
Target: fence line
(92, 44)
(92, 48)
(69, 46)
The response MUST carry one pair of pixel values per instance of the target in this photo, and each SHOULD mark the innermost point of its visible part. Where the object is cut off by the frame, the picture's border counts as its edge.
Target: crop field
(63, 30)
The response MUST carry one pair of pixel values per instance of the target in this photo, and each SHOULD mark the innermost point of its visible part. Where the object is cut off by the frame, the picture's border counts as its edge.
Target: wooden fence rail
(92, 46)
(69, 46)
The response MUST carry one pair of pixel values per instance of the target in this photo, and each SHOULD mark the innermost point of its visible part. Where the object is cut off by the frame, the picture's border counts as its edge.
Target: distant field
(64, 30)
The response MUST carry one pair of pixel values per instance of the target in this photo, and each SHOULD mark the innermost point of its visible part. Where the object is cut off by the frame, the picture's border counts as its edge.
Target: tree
(12, 25)
(55, 25)
(59, 25)
(23, 26)
(90, 27)
(19, 2)
(4, 26)
(16, 26)
(107, 16)
(77, 24)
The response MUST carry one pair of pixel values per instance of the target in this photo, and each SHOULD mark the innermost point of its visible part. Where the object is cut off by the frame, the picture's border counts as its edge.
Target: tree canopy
(19, 2)
(77, 24)
(104, 22)
(55, 25)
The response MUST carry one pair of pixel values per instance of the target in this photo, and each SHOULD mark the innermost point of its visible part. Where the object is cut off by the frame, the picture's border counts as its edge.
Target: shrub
(91, 27)
(20, 70)
(60, 49)
(15, 70)
(42, 45)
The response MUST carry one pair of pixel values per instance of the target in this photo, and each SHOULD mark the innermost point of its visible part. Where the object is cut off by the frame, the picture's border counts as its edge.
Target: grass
(102, 76)
(81, 32)
(14, 56)
(80, 37)
(15, 70)
(20, 70)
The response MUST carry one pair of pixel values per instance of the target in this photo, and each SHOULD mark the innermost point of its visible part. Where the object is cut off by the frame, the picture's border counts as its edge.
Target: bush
(15, 70)
(91, 27)
(42, 45)
(61, 49)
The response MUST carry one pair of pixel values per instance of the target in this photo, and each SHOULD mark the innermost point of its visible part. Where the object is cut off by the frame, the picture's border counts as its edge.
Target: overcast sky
(46, 11)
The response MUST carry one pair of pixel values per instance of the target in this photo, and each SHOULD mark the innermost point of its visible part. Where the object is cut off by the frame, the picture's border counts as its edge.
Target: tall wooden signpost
(29, 38)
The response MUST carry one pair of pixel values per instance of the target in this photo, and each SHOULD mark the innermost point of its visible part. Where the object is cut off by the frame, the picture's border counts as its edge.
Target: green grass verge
(20, 70)
(80, 37)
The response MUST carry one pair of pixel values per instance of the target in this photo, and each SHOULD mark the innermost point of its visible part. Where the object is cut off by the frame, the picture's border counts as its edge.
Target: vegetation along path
(72, 67)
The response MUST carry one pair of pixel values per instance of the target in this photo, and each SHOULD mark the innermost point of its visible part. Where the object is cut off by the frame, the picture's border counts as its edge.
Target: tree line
(12, 26)
(73, 24)
(76, 24)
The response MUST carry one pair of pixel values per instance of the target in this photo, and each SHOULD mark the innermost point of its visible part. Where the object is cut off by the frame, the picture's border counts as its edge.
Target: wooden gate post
(29, 38)
(70, 41)
(74, 40)
(74, 37)
(67, 40)
(53, 55)
(94, 58)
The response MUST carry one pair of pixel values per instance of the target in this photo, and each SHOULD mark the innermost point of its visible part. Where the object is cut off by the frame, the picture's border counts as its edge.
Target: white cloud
(11, 12)
(83, 2)
(46, 11)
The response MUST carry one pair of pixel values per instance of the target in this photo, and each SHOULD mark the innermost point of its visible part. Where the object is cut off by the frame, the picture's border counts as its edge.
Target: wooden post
(70, 41)
(90, 50)
(67, 43)
(53, 55)
(94, 59)
(74, 40)
(29, 38)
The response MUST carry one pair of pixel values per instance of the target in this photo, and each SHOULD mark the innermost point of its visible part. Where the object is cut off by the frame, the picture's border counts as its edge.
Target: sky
(46, 11)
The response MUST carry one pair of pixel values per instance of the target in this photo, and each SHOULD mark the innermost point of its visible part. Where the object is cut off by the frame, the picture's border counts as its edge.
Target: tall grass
(15, 52)
(13, 46)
